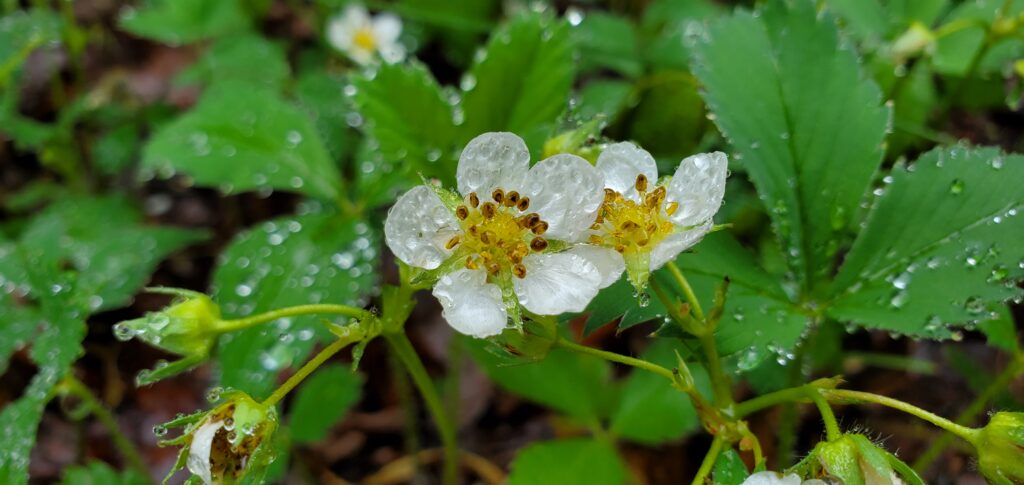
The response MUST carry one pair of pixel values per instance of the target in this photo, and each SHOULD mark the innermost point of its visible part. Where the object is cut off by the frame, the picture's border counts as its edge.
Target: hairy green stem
(308, 368)
(719, 381)
(832, 431)
(402, 347)
(843, 395)
(242, 323)
(753, 405)
(73, 387)
(709, 461)
(691, 297)
(612, 356)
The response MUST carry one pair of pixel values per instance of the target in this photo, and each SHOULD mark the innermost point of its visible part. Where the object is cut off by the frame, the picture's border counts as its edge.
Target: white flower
(199, 452)
(360, 37)
(512, 240)
(649, 224)
(773, 478)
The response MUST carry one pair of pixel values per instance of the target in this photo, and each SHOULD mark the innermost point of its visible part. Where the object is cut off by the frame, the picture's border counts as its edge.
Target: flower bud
(188, 327)
(227, 443)
(916, 39)
(854, 459)
(1000, 446)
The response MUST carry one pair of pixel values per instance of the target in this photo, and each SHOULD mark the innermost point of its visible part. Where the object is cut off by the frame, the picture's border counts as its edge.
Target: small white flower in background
(362, 37)
(773, 478)
(510, 239)
(646, 223)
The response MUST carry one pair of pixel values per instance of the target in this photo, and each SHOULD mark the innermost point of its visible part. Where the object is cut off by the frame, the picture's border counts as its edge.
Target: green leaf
(669, 118)
(809, 133)
(730, 469)
(667, 28)
(1001, 330)
(240, 138)
(245, 58)
(410, 119)
(321, 95)
(619, 301)
(99, 473)
(185, 21)
(117, 149)
(315, 257)
(650, 410)
(22, 32)
(956, 52)
(522, 80)
(581, 461)
(322, 401)
(868, 20)
(941, 244)
(602, 98)
(574, 384)
(607, 41)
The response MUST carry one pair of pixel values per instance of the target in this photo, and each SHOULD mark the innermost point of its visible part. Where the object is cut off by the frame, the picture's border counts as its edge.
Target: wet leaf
(246, 58)
(22, 32)
(99, 473)
(185, 21)
(568, 461)
(322, 401)
(607, 41)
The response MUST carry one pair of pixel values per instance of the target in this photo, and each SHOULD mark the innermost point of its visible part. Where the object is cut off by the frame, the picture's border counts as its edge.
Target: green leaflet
(323, 401)
(570, 461)
(185, 21)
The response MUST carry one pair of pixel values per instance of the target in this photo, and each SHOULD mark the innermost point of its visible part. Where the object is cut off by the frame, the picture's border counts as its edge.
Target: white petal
(609, 263)
(675, 243)
(392, 53)
(566, 191)
(199, 452)
(339, 33)
(386, 28)
(621, 163)
(492, 160)
(556, 283)
(771, 478)
(698, 186)
(418, 227)
(355, 16)
(470, 304)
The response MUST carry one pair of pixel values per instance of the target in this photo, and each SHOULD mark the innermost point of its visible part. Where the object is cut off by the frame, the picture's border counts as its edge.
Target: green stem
(844, 395)
(832, 431)
(309, 367)
(691, 297)
(612, 356)
(242, 323)
(753, 405)
(719, 380)
(709, 461)
(973, 410)
(72, 386)
(402, 347)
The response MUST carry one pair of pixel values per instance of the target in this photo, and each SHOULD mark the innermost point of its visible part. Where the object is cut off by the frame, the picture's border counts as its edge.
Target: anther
(486, 237)
(454, 241)
(530, 220)
(461, 212)
(651, 200)
(629, 226)
(539, 228)
(519, 270)
(621, 248)
(652, 228)
(595, 239)
(470, 263)
(538, 244)
(641, 183)
(493, 268)
(511, 199)
(473, 229)
(488, 209)
(609, 195)
(474, 201)
(523, 204)
(671, 208)
(661, 192)
(498, 195)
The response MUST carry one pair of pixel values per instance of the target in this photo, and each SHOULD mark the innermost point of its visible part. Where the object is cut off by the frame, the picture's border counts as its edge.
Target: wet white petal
(566, 191)
(771, 478)
(621, 163)
(392, 53)
(342, 28)
(418, 227)
(556, 283)
(492, 160)
(386, 28)
(199, 452)
(609, 263)
(675, 243)
(698, 186)
(470, 304)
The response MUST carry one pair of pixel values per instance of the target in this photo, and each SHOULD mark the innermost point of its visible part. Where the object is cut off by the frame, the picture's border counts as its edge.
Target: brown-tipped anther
(652, 228)
(539, 228)
(530, 220)
(489, 237)
(538, 244)
(511, 199)
(514, 257)
(487, 256)
(473, 229)
(488, 209)
(609, 194)
(660, 193)
(595, 239)
(493, 268)
(595, 226)
(461, 212)
(643, 242)
(474, 201)
(454, 241)
(651, 200)
(621, 248)
(470, 262)
(523, 204)
(519, 270)
(628, 226)
(671, 208)
(641, 183)
(498, 195)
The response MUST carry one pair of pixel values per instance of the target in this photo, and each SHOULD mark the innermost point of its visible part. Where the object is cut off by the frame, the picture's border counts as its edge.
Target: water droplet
(957, 187)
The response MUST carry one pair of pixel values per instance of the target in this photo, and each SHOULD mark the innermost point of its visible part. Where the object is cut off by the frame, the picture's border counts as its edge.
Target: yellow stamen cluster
(629, 226)
(364, 39)
(497, 235)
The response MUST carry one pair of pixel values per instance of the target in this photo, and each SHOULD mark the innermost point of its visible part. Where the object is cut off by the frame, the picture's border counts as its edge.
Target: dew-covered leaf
(668, 28)
(321, 95)
(650, 410)
(239, 137)
(317, 256)
(809, 133)
(607, 41)
(185, 21)
(602, 98)
(245, 58)
(409, 119)
(21, 32)
(322, 401)
(574, 384)
(521, 81)
(955, 53)
(1001, 330)
(99, 473)
(730, 469)
(941, 244)
(669, 118)
(619, 301)
(117, 149)
(569, 461)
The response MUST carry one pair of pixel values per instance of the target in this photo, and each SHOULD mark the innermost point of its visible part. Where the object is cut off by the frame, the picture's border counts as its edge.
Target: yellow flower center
(496, 236)
(632, 227)
(364, 39)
